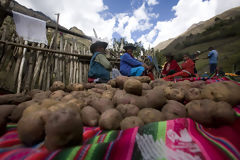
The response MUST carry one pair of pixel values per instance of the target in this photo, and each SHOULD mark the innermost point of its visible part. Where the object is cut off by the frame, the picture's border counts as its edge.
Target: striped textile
(174, 139)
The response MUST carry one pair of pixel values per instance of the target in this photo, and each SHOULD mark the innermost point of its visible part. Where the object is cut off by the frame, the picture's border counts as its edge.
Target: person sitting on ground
(129, 66)
(187, 69)
(171, 66)
(100, 67)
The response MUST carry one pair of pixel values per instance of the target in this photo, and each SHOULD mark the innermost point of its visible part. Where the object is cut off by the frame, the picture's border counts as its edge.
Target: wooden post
(37, 68)
(21, 69)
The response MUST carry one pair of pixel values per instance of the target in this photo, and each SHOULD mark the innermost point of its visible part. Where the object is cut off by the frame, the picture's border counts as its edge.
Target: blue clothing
(127, 62)
(97, 70)
(213, 57)
(213, 67)
(137, 71)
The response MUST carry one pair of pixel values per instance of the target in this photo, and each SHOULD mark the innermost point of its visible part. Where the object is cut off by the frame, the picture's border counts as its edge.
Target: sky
(148, 21)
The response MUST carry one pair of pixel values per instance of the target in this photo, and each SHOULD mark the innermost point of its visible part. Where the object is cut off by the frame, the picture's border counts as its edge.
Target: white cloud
(80, 13)
(187, 12)
(152, 2)
(139, 21)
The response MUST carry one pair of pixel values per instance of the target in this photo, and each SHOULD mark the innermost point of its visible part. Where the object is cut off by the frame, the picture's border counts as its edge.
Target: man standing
(213, 58)
(100, 67)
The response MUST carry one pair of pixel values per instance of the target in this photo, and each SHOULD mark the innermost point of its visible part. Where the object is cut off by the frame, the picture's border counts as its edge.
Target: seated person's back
(99, 65)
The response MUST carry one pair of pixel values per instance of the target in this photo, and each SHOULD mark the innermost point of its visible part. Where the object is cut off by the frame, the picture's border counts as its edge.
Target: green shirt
(101, 58)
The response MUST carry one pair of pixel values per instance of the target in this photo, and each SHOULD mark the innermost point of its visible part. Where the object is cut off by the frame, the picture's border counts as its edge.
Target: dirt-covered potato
(110, 119)
(158, 82)
(38, 97)
(90, 116)
(142, 79)
(57, 85)
(30, 110)
(6, 110)
(57, 95)
(198, 84)
(63, 128)
(121, 97)
(34, 91)
(67, 97)
(146, 86)
(75, 104)
(174, 94)
(149, 115)
(17, 112)
(210, 113)
(133, 86)
(48, 102)
(88, 85)
(108, 94)
(222, 91)
(120, 80)
(97, 90)
(31, 127)
(102, 104)
(174, 109)
(14, 98)
(74, 87)
(103, 86)
(131, 122)
(193, 94)
(127, 110)
(112, 83)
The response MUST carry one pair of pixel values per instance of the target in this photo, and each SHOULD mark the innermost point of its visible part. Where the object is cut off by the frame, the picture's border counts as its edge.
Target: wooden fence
(25, 66)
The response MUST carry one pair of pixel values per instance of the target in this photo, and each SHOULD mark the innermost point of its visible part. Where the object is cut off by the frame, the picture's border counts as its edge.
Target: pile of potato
(57, 116)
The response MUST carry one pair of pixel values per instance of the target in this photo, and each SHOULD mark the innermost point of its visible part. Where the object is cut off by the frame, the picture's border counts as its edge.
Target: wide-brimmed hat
(97, 44)
(129, 46)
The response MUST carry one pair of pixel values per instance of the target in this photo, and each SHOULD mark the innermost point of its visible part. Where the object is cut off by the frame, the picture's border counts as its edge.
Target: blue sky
(148, 21)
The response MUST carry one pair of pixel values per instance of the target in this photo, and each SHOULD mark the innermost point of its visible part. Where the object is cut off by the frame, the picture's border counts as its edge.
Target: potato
(174, 94)
(67, 97)
(222, 91)
(193, 94)
(88, 85)
(158, 82)
(142, 79)
(6, 110)
(102, 104)
(131, 122)
(210, 113)
(133, 86)
(149, 115)
(102, 86)
(97, 90)
(18, 111)
(108, 94)
(120, 97)
(57, 85)
(33, 92)
(174, 109)
(31, 127)
(146, 86)
(198, 84)
(48, 102)
(90, 116)
(40, 96)
(127, 110)
(57, 95)
(120, 80)
(112, 82)
(110, 119)
(63, 129)
(30, 110)
(155, 98)
(75, 104)
(74, 87)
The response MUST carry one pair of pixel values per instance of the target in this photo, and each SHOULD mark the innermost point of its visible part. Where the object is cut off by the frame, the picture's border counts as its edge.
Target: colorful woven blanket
(181, 139)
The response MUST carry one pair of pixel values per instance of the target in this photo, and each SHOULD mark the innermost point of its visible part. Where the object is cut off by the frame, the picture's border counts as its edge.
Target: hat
(129, 46)
(97, 44)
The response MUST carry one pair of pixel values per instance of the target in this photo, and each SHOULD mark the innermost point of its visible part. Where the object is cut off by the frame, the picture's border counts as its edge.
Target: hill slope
(222, 32)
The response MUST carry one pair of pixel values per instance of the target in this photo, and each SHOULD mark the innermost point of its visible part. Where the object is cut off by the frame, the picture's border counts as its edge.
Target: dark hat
(129, 46)
(97, 44)
(168, 55)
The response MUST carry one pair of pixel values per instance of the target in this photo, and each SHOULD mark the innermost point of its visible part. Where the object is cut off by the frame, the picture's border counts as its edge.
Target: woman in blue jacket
(129, 66)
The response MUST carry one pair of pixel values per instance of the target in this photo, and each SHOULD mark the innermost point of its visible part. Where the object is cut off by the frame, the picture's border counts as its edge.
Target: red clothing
(173, 65)
(188, 65)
